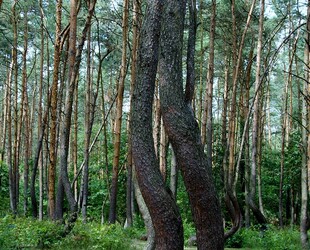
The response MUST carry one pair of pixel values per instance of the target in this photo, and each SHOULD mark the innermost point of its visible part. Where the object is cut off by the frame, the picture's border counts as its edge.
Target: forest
(154, 124)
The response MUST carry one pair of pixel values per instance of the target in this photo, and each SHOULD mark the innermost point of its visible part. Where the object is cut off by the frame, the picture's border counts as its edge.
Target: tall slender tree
(119, 111)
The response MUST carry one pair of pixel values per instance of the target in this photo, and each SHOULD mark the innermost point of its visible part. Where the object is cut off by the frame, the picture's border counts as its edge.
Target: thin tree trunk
(206, 129)
(136, 31)
(305, 168)
(24, 115)
(41, 189)
(88, 128)
(13, 148)
(9, 135)
(119, 112)
(150, 244)
(53, 119)
(256, 110)
(66, 124)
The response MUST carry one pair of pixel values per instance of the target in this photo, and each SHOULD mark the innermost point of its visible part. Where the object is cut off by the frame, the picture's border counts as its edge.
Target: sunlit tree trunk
(119, 112)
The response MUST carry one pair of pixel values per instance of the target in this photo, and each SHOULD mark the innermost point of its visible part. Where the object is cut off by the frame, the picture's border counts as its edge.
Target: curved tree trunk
(162, 207)
(184, 134)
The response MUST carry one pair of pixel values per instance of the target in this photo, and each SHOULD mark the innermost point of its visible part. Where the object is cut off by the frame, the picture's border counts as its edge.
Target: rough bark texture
(183, 132)
(53, 109)
(162, 207)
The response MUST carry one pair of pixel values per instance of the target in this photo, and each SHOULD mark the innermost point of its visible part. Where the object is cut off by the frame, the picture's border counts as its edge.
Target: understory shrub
(22, 233)
(270, 239)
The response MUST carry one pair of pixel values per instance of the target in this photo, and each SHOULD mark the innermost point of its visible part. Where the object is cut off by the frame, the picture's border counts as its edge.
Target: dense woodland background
(67, 76)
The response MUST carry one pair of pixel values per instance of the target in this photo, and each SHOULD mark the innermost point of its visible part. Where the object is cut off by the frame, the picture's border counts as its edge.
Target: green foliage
(23, 233)
(96, 236)
(272, 238)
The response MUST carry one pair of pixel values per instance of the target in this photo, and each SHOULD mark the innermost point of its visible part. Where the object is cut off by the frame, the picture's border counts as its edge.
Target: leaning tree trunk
(184, 134)
(162, 207)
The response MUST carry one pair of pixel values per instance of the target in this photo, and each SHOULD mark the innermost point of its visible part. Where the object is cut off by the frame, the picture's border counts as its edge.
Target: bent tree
(183, 131)
(162, 207)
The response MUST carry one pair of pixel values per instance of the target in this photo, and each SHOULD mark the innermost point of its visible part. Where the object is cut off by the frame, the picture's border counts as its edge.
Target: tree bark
(305, 168)
(136, 32)
(66, 125)
(162, 207)
(53, 119)
(184, 134)
(256, 111)
(118, 122)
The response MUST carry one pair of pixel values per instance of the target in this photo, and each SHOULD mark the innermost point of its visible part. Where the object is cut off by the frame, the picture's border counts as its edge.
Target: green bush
(23, 233)
(271, 239)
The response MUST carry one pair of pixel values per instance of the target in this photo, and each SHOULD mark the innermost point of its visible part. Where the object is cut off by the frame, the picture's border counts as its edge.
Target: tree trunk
(150, 244)
(129, 190)
(162, 207)
(184, 134)
(53, 119)
(207, 129)
(41, 189)
(118, 122)
(66, 125)
(24, 115)
(305, 168)
(9, 135)
(255, 130)
(174, 175)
